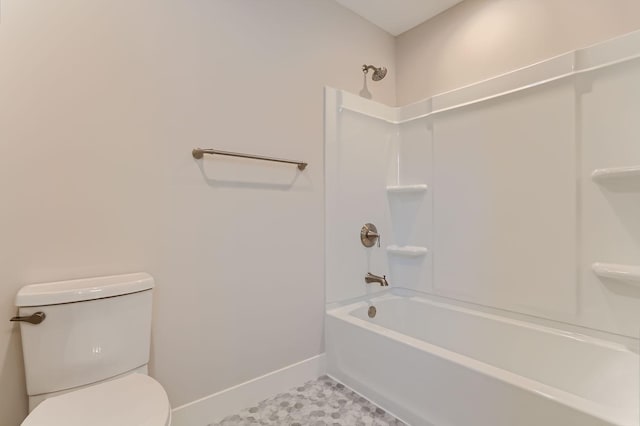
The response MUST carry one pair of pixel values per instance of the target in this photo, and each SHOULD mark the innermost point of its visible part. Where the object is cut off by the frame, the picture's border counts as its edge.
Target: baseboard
(215, 407)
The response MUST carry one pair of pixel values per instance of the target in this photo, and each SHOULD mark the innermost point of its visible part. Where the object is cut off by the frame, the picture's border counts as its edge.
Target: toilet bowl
(86, 348)
(133, 400)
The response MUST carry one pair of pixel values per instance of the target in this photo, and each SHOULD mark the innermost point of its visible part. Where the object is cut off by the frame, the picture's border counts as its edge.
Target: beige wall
(101, 103)
(479, 39)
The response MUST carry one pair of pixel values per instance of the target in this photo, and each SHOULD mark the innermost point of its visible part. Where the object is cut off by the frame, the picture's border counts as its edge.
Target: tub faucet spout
(370, 278)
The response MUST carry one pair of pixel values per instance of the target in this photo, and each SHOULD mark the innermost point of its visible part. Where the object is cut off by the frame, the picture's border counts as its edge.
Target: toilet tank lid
(54, 293)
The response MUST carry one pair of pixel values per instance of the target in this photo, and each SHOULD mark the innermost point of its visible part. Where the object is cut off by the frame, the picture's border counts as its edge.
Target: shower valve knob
(369, 235)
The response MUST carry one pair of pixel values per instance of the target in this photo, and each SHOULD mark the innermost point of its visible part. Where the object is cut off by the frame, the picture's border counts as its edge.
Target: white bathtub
(433, 363)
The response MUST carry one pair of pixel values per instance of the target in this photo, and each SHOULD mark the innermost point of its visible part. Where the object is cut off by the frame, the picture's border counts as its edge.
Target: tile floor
(319, 402)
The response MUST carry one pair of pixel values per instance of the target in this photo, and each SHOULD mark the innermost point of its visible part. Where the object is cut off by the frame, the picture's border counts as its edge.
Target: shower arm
(366, 68)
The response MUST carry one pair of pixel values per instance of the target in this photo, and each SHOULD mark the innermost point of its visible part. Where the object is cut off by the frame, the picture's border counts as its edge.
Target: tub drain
(372, 311)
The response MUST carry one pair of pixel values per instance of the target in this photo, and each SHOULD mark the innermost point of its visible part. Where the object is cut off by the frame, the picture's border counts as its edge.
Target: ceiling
(397, 16)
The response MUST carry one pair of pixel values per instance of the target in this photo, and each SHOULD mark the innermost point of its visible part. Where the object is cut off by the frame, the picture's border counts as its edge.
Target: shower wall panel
(360, 154)
(505, 202)
(609, 127)
(412, 212)
(493, 197)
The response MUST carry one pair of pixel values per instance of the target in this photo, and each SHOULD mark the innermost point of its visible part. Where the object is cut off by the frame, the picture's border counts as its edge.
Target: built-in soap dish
(617, 176)
(407, 251)
(398, 189)
(627, 273)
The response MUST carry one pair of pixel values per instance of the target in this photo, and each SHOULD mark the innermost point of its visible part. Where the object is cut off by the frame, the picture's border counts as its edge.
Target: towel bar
(198, 153)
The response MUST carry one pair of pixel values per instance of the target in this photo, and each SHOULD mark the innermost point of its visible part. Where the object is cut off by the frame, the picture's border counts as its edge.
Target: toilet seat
(133, 400)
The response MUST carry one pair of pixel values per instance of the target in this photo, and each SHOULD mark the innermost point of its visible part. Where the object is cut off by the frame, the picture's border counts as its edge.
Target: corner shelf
(407, 251)
(627, 273)
(616, 174)
(395, 189)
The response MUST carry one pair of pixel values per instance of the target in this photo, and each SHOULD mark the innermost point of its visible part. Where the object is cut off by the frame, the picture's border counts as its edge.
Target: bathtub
(436, 363)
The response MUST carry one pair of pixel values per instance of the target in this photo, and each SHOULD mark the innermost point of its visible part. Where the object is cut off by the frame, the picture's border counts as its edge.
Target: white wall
(504, 208)
(512, 218)
(360, 158)
(101, 103)
(608, 131)
(366, 151)
(479, 39)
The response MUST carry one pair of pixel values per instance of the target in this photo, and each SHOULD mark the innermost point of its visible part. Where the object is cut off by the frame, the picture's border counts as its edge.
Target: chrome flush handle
(36, 318)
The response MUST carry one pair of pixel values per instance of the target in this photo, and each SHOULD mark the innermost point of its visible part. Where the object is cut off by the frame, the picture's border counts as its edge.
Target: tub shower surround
(319, 402)
(518, 196)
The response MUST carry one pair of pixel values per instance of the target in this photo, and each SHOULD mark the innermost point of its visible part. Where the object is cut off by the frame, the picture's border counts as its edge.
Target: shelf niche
(398, 189)
(407, 251)
(627, 273)
(617, 175)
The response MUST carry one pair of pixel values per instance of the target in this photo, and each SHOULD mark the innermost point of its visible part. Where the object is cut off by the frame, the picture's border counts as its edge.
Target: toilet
(86, 349)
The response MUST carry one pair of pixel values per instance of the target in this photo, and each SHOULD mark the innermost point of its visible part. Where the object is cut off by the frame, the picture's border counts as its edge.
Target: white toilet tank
(94, 329)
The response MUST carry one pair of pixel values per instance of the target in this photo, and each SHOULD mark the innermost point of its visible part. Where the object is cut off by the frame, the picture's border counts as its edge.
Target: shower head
(378, 73)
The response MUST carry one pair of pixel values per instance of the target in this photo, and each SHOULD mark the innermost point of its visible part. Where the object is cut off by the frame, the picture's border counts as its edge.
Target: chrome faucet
(370, 278)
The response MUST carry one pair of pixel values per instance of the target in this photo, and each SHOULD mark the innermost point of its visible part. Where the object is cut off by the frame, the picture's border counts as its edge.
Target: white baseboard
(215, 407)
